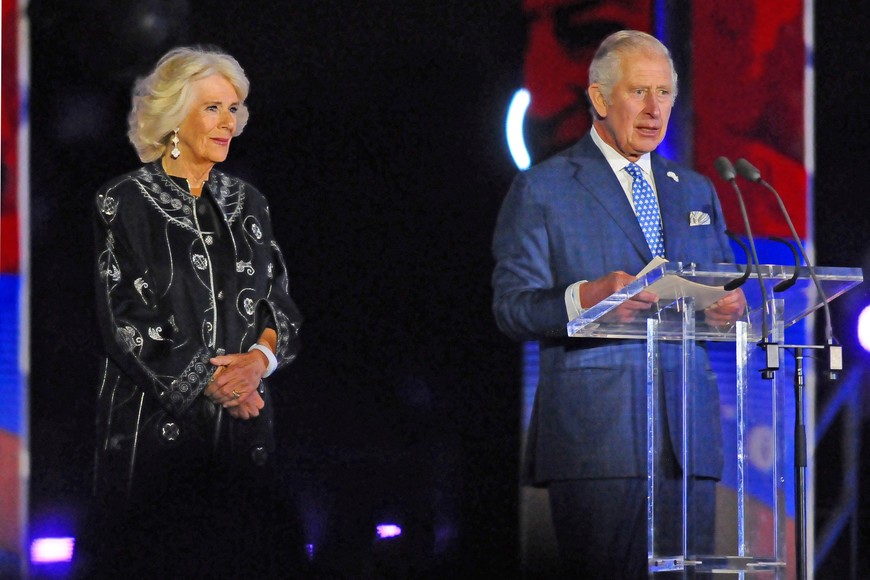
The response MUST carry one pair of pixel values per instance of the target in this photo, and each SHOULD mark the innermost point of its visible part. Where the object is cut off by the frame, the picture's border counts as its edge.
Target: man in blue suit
(571, 231)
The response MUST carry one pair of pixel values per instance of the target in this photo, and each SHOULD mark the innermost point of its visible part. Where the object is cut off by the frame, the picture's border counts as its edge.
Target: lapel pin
(674, 176)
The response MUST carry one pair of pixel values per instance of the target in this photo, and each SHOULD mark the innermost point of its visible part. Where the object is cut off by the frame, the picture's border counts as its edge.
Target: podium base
(713, 564)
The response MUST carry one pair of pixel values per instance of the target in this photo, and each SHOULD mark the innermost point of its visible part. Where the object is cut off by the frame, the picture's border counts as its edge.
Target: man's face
(635, 117)
(563, 36)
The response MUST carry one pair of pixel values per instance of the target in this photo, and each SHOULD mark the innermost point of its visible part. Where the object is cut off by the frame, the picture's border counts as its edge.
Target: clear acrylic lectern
(746, 542)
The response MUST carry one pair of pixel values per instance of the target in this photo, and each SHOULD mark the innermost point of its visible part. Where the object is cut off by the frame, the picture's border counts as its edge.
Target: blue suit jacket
(568, 219)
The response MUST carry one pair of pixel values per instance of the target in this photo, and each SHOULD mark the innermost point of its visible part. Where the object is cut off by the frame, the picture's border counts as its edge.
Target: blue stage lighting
(51, 550)
(388, 531)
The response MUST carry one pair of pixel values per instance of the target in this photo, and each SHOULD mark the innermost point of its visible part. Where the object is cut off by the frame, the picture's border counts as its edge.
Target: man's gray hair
(606, 66)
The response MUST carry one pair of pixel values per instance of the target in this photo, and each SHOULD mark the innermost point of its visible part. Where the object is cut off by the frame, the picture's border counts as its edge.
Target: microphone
(726, 171)
(835, 352)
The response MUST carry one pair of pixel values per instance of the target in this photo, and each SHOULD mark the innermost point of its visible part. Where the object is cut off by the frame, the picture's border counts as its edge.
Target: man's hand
(727, 309)
(591, 293)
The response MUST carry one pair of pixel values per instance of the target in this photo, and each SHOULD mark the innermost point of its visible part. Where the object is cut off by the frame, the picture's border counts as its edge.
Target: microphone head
(747, 170)
(724, 168)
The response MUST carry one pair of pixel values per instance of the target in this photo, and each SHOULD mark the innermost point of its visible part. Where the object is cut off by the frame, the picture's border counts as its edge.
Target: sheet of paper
(672, 287)
(654, 263)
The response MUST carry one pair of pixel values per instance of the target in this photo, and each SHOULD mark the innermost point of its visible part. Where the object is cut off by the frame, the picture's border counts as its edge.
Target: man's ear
(596, 98)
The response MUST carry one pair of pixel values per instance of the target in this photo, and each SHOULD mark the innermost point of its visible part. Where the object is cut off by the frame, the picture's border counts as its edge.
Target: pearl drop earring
(175, 150)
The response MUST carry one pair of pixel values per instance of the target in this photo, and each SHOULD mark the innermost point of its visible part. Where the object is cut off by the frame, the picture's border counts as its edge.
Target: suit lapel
(597, 177)
(594, 173)
(675, 217)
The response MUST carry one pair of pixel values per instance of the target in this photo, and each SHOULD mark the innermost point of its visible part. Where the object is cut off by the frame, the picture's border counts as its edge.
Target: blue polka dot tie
(646, 206)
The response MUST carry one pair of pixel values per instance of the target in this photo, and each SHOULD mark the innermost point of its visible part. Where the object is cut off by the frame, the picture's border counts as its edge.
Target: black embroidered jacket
(180, 279)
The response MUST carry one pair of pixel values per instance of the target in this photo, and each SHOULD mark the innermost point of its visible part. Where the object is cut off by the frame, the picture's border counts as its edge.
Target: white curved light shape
(514, 128)
(864, 328)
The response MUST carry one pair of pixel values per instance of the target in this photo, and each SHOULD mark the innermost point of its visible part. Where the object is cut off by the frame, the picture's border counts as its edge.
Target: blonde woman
(195, 313)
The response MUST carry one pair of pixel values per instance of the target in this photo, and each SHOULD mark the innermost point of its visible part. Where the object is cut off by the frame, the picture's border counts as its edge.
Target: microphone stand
(784, 285)
(771, 349)
(800, 434)
(834, 365)
(738, 282)
(800, 466)
(834, 351)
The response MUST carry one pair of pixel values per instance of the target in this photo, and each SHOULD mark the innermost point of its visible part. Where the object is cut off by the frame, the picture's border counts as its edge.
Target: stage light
(51, 550)
(514, 128)
(864, 328)
(388, 531)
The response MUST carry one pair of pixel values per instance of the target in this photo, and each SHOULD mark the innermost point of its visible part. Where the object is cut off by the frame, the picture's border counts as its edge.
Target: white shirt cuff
(273, 362)
(572, 300)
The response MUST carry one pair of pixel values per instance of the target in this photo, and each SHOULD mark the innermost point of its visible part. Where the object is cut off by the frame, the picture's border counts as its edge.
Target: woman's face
(205, 134)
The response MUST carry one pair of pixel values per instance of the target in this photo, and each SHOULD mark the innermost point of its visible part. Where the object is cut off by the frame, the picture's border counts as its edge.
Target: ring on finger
(236, 394)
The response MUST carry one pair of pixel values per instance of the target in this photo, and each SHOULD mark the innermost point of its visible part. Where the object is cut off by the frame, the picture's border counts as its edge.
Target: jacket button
(170, 431)
(259, 455)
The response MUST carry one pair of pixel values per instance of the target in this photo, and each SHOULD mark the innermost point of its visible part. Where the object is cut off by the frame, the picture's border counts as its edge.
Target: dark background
(376, 131)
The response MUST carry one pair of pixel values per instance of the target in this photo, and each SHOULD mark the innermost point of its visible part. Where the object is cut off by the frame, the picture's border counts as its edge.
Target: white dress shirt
(617, 164)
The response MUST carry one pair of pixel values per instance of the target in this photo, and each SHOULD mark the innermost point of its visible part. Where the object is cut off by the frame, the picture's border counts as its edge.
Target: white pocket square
(699, 218)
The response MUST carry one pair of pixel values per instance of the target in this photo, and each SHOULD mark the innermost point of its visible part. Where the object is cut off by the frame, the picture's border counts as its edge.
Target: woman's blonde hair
(162, 99)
